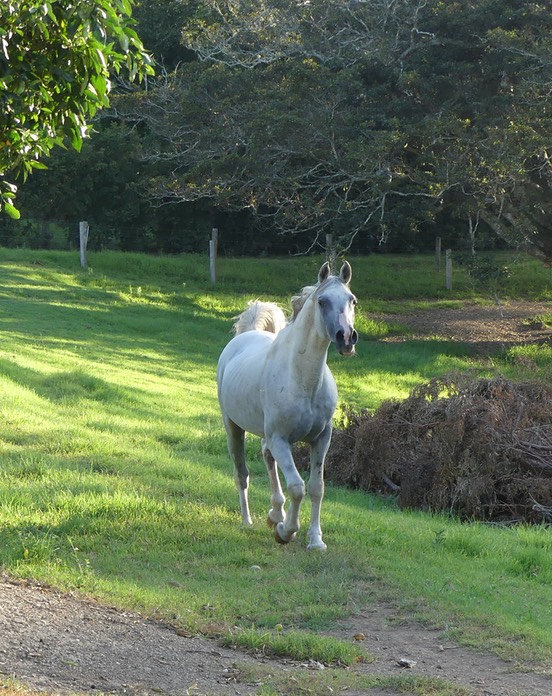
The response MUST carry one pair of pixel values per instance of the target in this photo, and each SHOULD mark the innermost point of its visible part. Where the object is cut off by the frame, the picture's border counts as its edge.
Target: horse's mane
(297, 301)
(267, 316)
(260, 316)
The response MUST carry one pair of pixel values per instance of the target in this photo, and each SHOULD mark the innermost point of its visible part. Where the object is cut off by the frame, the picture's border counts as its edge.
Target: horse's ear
(324, 272)
(346, 272)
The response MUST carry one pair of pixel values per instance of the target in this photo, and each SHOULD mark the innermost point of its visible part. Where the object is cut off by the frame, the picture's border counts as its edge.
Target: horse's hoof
(273, 519)
(317, 546)
(279, 538)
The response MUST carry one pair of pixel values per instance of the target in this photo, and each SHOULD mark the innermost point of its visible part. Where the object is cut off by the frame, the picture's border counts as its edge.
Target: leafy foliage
(55, 64)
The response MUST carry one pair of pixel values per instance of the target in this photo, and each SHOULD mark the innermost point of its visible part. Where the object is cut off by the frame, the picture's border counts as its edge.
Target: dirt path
(398, 643)
(60, 644)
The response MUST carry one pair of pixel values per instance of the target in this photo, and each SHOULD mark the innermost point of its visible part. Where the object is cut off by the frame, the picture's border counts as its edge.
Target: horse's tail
(260, 316)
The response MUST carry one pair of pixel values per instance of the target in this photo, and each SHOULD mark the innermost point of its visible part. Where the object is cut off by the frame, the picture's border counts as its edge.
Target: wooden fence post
(213, 248)
(84, 229)
(330, 252)
(214, 237)
(448, 269)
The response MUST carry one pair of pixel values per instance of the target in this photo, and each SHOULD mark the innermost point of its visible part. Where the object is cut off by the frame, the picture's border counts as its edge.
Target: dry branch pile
(480, 449)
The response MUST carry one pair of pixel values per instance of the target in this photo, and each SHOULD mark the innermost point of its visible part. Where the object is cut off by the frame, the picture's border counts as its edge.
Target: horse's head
(337, 307)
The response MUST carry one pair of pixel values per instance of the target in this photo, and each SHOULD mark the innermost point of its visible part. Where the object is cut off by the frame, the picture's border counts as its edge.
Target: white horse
(276, 384)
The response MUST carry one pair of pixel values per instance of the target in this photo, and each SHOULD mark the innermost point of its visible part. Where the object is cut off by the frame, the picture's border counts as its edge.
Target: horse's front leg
(286, 530)
(276, 513)
(319, 449)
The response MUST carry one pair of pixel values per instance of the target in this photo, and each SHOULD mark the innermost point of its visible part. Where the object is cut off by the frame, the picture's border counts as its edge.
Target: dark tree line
(383, 123)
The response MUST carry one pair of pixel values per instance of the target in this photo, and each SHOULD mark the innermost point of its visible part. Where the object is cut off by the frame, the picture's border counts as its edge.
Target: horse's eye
(322, 302)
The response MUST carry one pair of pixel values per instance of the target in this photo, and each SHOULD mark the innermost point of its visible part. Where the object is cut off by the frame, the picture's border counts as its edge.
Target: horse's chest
(311, 424)
(303, 416)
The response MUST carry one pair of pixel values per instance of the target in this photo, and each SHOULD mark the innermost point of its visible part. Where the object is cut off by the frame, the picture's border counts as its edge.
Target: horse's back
(239, 376)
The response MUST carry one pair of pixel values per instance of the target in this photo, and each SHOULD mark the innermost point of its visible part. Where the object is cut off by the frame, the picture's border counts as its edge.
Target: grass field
(115, 481)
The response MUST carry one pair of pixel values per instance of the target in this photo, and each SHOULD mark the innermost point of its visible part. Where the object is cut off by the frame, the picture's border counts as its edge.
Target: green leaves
(7, 194)
(55, 65)
(11, 211)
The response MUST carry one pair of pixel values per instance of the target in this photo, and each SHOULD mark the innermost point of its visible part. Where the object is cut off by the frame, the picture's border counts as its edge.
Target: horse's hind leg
(236, 446)
(276, 513)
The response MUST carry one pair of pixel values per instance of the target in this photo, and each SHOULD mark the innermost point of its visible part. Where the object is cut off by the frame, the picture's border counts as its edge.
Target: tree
(361, 118)
(56, 59)
(97, 184)
(159, 24)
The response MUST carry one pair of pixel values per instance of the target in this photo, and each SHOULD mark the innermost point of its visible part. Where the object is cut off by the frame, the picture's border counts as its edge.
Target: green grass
(302, 645)
(115, 481)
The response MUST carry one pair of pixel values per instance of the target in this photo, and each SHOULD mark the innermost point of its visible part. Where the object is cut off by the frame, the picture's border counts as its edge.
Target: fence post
(448, 269)
(214, 237)
(84, 229)
(213, 247)
(330, 251)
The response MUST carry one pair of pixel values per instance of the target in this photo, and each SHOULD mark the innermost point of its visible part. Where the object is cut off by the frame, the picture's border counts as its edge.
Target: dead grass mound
(480, 449)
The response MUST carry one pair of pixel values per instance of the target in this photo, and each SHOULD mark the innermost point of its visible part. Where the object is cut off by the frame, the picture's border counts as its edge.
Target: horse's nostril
(340, 337)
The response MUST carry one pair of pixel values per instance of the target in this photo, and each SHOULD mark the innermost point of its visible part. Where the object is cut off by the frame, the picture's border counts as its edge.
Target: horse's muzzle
(344, 346)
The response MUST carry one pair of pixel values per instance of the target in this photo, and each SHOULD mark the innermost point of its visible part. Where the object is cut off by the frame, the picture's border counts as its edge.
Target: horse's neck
(307, 350)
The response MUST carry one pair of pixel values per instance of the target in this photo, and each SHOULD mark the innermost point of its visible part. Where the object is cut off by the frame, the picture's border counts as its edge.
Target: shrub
(480, 449)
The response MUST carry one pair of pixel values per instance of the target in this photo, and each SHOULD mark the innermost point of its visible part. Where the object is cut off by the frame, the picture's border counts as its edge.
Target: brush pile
(479, 449)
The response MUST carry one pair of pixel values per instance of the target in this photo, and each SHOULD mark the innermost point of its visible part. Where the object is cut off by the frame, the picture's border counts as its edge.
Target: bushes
(480, 449)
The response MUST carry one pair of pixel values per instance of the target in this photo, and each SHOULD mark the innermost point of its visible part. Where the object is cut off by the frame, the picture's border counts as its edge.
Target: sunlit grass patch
(370, 328)
(538, 321)
(391, 370)
(115, 479)
(541, 355)
(298, 645)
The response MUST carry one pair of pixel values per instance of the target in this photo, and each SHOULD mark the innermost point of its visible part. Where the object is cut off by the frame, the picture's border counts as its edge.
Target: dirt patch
(402, 645)
(487, 327)
(61, 644)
